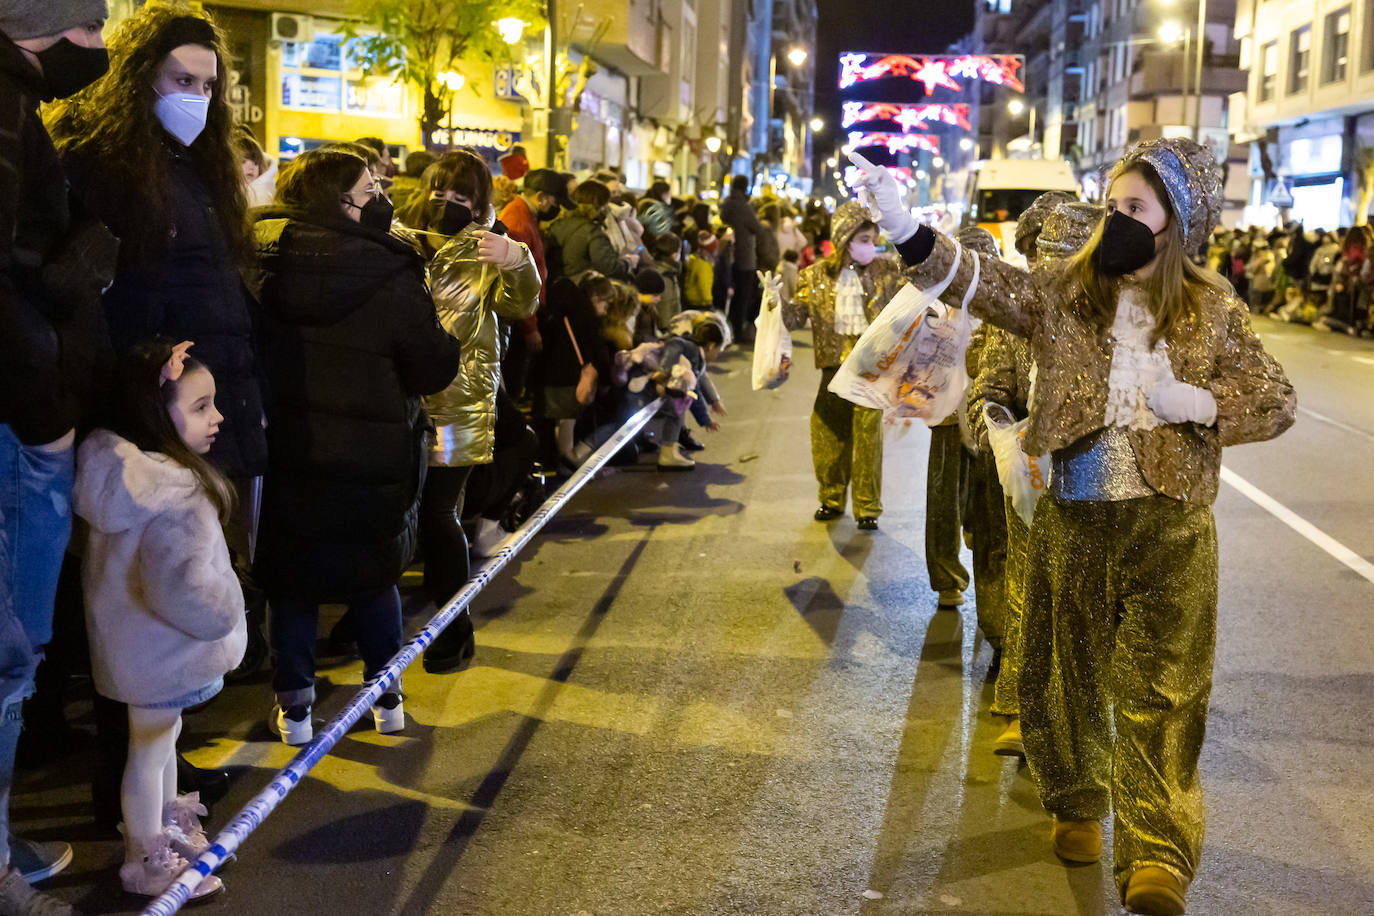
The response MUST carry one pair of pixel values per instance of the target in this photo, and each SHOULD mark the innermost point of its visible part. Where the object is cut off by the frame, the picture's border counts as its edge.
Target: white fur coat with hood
(164, 610)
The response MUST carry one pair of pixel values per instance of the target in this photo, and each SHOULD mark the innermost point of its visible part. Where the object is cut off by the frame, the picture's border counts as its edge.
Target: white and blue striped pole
(255, 812)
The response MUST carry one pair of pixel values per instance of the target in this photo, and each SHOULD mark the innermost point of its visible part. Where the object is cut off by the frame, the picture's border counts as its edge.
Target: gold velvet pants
(1116, 672)
(847, 445)
(1004, 701)
(988, 521)
(948, 474)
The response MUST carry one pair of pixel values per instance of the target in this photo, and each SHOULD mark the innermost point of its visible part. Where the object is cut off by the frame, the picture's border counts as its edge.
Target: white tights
(150, 776)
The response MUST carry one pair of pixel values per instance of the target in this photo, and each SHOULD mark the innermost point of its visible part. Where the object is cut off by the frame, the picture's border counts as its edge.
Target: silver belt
(1100, 467)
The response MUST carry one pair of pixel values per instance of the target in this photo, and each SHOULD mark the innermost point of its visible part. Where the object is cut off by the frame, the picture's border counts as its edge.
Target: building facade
(1307, 108)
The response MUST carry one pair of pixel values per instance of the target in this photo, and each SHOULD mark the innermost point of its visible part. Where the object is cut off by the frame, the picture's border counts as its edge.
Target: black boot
(211, 784)
(453, 649)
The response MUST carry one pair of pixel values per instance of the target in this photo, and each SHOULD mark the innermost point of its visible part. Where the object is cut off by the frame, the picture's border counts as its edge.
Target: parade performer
(1147, 366)
(1000, 367)
(163, 605)
(840, 295)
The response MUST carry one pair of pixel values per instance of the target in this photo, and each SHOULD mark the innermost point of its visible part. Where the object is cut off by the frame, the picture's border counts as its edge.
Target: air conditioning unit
(292, 27)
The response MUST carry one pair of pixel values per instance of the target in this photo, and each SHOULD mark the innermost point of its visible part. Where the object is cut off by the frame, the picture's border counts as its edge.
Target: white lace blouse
(1137, 367)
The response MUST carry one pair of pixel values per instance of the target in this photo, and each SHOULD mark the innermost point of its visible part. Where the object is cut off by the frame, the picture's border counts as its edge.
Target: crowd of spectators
(295, 382)
(1317, 277)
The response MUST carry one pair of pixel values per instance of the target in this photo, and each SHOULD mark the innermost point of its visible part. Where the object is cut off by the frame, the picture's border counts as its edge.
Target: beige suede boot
(1077, 841)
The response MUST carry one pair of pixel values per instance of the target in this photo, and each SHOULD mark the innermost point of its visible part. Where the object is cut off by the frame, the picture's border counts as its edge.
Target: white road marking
(1299, 524)
(1336, 423)
(1367, 360)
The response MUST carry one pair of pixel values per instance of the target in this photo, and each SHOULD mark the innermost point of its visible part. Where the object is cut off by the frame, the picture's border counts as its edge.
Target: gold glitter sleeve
(1005, 295)
(796, 312)
(1002, 377)
(1255, 400)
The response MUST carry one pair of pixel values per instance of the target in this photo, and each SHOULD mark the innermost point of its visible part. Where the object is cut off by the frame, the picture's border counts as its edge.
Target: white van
(1004, 188)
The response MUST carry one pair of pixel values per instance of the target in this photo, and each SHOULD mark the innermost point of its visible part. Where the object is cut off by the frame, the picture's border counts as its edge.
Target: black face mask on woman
(1127, 245)
(375, 214)
(447, 217)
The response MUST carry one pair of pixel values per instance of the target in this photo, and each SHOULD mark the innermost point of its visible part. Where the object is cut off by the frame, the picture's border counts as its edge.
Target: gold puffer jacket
(1215, 349)
(470, 296)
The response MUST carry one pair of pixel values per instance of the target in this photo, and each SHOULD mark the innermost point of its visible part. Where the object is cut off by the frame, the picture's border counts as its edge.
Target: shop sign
(477, 138)
(507, 78)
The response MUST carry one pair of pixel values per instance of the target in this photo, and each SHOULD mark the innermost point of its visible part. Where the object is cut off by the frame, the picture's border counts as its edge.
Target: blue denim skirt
(197, 696)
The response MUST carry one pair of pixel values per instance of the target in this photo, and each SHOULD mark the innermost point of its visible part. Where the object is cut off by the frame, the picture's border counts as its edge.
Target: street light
(966, 144)
(511, 29)
(452, 80)
(1016, 106)
(938, 162)
(797, 56)
(713, 144)
(817, 125)
(1171, 32)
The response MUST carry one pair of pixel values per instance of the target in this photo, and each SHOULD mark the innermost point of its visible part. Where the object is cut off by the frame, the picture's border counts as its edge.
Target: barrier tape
(251, 816)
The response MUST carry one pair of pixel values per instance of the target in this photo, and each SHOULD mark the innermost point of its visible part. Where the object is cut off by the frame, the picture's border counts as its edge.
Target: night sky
(891, 26)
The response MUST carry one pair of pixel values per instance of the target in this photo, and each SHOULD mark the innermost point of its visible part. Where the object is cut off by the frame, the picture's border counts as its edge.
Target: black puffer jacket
(350, 341)
(192, 291)
(53, 265)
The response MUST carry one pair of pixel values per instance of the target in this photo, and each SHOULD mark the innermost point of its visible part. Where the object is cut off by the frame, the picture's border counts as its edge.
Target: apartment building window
(1299, 56)
(1269, 70)
(1336, 46)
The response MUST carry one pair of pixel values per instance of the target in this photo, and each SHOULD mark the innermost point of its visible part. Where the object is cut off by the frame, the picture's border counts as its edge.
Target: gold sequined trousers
(847, 447)
(1118, 636)
(1005, 701)
(948, 472)
(987, 517)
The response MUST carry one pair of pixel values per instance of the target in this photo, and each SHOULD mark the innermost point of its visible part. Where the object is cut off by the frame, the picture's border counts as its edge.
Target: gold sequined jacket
(999, 370)
(469, 296)
(815, 300)
(1215, 349)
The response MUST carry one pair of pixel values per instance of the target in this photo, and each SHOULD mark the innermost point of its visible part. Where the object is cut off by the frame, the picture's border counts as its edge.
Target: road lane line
(1367, 360)
(1336, 423)
(1299, 524)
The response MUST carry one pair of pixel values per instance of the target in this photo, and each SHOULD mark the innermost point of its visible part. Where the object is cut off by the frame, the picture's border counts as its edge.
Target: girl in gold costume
(1146, 366)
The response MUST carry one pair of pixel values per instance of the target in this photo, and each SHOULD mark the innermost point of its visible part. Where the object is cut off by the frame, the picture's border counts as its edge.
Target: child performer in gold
(1147, 366)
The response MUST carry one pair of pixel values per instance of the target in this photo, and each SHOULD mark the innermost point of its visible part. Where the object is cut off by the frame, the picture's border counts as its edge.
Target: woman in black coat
(350, 341)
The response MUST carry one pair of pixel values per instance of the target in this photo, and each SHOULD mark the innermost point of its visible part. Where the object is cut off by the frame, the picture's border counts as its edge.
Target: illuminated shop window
(319, 76)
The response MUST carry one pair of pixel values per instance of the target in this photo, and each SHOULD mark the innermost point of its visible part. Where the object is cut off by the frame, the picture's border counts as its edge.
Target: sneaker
(670, 458)
(16, 896)
(689, 443)
(36, 861)
(292, 724)
(828, 513)
(151, 866)
(867, 523)
(1009, 744)
(488, 538)
(389, 714)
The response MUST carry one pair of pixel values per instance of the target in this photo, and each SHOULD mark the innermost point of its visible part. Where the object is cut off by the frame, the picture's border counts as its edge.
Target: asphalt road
(690, 698)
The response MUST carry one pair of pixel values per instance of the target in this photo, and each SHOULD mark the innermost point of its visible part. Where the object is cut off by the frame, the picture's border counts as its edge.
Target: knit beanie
(649, 282)
(976, 238)
(1030, 223)
(20, 19)
(1190, 175)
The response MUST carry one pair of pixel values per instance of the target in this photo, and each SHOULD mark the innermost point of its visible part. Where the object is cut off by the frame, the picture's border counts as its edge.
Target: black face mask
(68, 68)
(1127, 244)
(548, 213)
(447, 217)
(375, 214)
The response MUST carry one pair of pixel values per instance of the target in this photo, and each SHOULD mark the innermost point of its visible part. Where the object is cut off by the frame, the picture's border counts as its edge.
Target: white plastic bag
(772, 341)
(910, 361)
(1024, 477)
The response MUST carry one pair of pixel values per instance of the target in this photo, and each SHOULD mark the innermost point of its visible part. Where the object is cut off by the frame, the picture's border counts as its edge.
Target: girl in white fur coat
(163, 606)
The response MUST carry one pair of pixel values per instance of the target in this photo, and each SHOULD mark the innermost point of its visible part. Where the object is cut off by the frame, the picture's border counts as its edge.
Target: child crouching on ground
(683, 380)
(163, 606)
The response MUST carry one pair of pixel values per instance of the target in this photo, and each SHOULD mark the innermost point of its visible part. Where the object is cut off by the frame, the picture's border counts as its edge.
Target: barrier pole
(251, 815)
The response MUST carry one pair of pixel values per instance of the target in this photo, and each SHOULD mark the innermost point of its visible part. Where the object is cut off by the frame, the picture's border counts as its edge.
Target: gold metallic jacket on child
(815, 299)
(1215, 349)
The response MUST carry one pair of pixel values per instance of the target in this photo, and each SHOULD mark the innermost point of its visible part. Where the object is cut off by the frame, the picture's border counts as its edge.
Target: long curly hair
(112, 129)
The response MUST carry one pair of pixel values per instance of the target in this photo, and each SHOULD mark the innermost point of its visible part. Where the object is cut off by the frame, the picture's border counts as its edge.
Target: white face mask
(862, 252)
(183, 114)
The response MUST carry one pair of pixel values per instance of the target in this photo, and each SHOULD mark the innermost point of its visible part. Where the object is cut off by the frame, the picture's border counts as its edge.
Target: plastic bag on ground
(910, 361)
(1024, 477)
(772, 341)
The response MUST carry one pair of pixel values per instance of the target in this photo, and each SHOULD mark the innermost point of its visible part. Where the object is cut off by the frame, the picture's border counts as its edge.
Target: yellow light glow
(452, 80)
(511, 29)
(817, 125)
(713, 144)
(1016, 106)
(797, 56)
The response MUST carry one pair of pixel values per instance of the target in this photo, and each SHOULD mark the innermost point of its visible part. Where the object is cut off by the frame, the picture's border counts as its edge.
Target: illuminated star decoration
(998, 69)
(910, 117)
(895, 143)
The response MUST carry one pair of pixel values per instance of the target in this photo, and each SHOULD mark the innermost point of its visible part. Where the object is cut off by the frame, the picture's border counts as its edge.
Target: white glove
(894, 218)
(499, 250)
(1179, 402)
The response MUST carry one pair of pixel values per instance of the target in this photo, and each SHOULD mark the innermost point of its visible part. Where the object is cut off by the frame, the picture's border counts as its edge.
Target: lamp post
(1197, 72)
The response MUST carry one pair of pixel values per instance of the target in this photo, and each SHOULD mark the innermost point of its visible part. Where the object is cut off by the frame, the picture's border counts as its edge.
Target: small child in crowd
(164, 610)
